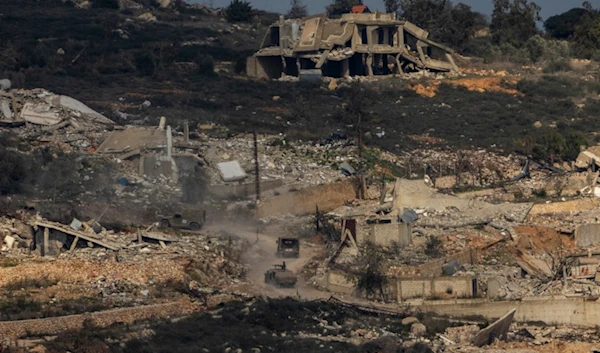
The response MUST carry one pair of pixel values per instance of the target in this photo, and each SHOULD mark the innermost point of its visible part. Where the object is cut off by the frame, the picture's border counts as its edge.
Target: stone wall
(386, 234)
(242, 190)
(587, 235)
(428, 287)
(326, 197)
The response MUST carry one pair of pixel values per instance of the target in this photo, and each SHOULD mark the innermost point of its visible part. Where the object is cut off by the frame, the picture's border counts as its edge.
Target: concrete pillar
(46, 240)
(169, 142)
(346, 68)
(186, 131)
(163, 122)
(369, 64)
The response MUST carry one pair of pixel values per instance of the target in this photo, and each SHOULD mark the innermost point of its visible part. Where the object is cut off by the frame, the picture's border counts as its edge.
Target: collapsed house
(363, 44)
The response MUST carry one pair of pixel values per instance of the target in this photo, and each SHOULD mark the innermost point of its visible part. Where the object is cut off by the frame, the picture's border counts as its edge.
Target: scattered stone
(409, 320)
(418, 329)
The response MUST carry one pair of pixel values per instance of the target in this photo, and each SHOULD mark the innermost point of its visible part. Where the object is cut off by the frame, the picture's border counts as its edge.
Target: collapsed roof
(357, 44)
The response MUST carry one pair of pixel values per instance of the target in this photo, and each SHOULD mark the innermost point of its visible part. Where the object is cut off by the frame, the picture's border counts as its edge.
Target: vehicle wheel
(165, 223)
(195, 226)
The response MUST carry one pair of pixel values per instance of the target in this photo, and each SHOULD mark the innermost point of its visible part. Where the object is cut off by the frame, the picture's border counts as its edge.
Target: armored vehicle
(288, 247)
(281, 277)
(184, 220)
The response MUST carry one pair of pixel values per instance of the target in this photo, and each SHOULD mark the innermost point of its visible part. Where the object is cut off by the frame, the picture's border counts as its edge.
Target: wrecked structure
(363, 44)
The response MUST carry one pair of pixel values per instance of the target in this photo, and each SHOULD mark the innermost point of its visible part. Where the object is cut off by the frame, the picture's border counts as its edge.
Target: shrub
(205, 65)
(13, 171)
(433, 247)
(557, 66)
(145, 63)
(238, 11)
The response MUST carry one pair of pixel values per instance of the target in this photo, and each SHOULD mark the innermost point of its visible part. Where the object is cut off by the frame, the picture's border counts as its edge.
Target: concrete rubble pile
(44, 118)
(41, 107)
(22, 239)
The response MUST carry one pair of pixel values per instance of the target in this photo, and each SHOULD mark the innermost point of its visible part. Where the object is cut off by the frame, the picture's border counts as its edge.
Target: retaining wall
(550, 310)
(302, 202)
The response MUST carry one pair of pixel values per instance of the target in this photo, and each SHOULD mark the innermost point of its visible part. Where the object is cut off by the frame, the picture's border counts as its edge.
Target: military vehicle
(280, 277)
(184, 220)
(288, 247)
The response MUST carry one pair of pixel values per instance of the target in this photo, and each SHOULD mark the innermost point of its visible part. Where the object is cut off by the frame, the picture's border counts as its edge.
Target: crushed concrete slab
(39, 114)
(133, 139)
(231, 171)
(496, 330)
(80, 109)
(76, 224)
(5, 110)
(9, 242)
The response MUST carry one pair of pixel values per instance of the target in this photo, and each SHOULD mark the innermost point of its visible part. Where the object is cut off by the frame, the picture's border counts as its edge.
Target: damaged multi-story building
(362, 44)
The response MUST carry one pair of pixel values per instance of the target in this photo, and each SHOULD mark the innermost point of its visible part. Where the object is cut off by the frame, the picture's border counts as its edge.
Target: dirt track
(261, 256)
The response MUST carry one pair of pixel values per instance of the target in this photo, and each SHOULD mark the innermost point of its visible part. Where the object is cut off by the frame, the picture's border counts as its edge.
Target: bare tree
(297, 9)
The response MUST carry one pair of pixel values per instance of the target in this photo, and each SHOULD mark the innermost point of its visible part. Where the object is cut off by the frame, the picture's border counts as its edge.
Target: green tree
(460, 22)
(514, 21)
(368, 270)
(238, 11)
(339, 7)
(391, 6)
(563, 26)
(297, 9)
(586, 36)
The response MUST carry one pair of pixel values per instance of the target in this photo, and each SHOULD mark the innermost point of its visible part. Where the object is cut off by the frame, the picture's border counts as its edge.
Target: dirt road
(261, 256)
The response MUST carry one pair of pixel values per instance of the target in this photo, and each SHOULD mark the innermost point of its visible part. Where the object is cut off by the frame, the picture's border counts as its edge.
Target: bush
(433, 247)
(550, 145)
(205, 65)
(13, 172)
(145, 63)
(238, 11)
(557, 66)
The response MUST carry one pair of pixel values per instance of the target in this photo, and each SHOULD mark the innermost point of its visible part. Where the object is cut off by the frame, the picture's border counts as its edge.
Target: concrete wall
(326, 197)
(267, 67)
(551, 310)
(242, 190)
(587, 235)
(154, 166)
(386, 234)
(408, 288)
(434, 268)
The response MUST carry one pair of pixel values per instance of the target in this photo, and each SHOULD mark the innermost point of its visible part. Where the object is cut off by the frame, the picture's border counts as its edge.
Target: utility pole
(256, 169)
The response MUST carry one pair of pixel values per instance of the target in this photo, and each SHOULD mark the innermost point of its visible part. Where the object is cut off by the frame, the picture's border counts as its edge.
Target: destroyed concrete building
(363, 44)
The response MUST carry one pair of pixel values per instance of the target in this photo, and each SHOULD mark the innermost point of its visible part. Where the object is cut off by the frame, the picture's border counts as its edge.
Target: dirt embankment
(476, 84)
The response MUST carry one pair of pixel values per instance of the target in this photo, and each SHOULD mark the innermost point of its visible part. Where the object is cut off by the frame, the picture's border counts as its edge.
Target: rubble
(41, 107)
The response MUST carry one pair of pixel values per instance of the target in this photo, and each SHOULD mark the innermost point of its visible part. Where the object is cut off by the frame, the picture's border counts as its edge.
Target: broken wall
(408, 288)
(56, 242)
(434, 268)
(266, 67)
(550, 310)
(336, 282)
(242, 190)
(326, 197)
(587, 235)
(153, 166)
(390, 234)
